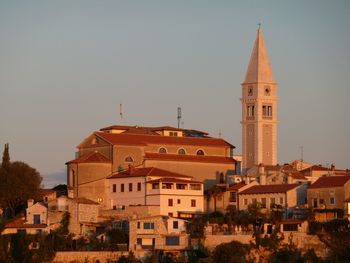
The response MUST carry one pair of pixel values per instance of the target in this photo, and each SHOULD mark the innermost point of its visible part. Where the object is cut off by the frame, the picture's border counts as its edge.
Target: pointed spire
(259, 68)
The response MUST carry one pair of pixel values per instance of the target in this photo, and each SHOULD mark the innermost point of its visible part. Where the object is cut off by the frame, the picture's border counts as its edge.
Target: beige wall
(37, 209)
(325, 194)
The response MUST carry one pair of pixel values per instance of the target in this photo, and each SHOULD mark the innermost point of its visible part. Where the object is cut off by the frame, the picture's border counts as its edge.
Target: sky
(65, 66)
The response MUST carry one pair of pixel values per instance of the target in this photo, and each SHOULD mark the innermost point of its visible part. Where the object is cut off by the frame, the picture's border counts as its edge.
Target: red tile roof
(297, 176)
(142, 139)
(236, 186)
(330, 181)
(316, 168)
(189, 158)
(173, 180)
(148, 171)
(269, 189)
(93, 157)
(83, 200)
(20, 223)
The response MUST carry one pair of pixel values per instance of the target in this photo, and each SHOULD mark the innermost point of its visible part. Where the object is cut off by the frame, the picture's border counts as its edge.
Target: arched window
(162, 150)
(200, 152)
(129, 160)
(181, 151)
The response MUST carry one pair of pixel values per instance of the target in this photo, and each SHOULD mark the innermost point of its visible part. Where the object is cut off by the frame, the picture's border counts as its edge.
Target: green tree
(18, 183)
(233, 252)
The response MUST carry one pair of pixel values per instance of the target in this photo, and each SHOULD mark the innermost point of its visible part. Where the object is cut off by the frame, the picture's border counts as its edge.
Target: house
(35, 221)
(328, 194)
(171, 192)
(221, 196)
(286, 196)
(158, 233)
(112, 149)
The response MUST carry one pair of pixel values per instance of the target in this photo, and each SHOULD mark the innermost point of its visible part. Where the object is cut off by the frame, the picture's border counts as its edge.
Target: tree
(18, 183)
(6, 158)
(233, 252)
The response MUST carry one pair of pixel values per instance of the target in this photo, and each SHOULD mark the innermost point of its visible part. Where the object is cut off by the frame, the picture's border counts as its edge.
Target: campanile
(259, 109)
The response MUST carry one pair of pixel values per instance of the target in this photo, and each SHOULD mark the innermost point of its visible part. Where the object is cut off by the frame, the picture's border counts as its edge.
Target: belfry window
(267, 111)
(250, 110)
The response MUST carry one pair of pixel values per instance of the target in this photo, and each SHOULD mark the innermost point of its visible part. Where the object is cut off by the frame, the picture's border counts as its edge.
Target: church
(115, 149)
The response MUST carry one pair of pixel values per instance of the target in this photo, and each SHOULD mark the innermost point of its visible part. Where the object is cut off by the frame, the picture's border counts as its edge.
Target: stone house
(160, 233)
(171, 192)
(328, 194)
(286, 196)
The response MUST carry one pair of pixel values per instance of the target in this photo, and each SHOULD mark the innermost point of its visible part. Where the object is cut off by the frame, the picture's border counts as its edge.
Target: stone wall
(88, 256)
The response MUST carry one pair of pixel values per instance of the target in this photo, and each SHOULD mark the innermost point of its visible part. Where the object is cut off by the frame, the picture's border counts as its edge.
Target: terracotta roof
(188, 158)
(83, 200)
(236, 186)
(142, 139)
(173, 180)
(316, 168)
(297, 176)
(330, 181)
(148, 171)
(92, 157)
(269, 189)
(20, 223)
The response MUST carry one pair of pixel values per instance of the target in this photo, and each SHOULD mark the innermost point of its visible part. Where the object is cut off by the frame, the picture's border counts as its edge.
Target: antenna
(178, 116)
(121, 111)
(301, 156)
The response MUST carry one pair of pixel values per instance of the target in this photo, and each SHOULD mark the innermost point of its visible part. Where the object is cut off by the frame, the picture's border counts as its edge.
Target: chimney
(262, 176)
(289, 178)
(30, 202)
(131, 169)
(332, 167)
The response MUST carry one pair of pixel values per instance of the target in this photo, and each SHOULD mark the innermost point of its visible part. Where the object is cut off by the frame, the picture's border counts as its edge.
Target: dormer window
(200, 152)
(129, 160)
(173, 134)
(181, 151)
(162, 150)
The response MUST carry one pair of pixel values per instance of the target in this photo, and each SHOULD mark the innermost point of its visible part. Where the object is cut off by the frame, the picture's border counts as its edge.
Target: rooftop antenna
(219, 133)
(121, 111)
(178, 117)
(259, 26)
(301, 156)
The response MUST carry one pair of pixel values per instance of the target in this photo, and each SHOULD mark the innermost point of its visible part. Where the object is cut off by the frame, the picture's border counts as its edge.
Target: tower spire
(259, 68)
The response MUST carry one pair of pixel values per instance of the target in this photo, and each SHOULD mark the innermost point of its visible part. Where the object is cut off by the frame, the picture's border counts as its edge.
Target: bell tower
(259, 109)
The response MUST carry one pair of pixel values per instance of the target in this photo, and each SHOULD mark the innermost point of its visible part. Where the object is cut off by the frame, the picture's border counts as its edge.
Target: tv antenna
(178, 117)
(121, 111)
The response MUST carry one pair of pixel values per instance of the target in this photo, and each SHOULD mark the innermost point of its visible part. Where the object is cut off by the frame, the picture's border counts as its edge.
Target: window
(172, 241)
(148, 225)
(130, 187)
(233, 196)
(272, 202)
(267, 111)
(314, 202)
(170, 214)
(193, 203)
(162, 150)
(175, 224)
(254, 201)
(245, 201)
(122, 188)
(139, 241)
(114, 207)
(321, 201)
(263, 202)
(281, 200)
(179, 201)
(167, 186)
(181, 186)
(250, 110)
(138, 186)
(129, 160)
(170, 202)
(138, 225)
(174, 134)
(195, 187)
(181, 151)
(155, 186)
(331, 200)
(114, 188)
(267, 90)
(200, 152)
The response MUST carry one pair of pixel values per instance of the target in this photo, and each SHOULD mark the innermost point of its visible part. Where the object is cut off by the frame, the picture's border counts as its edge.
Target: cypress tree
(6, 158)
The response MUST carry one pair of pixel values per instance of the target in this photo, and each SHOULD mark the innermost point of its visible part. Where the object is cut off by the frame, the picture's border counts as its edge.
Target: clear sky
(66, 65)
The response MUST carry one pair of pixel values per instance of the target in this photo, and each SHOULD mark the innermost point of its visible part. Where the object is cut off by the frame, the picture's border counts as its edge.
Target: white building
(173, 193)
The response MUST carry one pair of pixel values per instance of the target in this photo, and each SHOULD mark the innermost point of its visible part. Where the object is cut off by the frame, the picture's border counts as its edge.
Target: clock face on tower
(250, 91)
